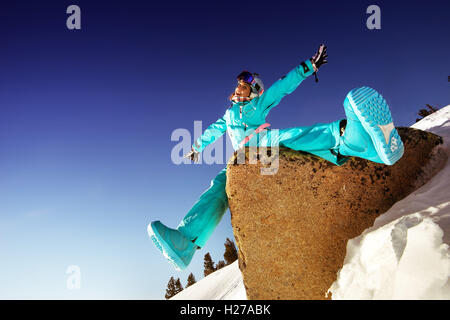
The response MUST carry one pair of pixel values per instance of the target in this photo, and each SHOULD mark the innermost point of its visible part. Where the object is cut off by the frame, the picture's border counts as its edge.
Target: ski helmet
(255, 82)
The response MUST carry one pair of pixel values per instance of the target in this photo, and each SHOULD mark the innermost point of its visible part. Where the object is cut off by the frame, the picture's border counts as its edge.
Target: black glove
(320, 57)
(193, 155)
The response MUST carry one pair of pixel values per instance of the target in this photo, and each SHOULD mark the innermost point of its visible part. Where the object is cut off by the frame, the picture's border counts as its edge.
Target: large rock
(292, 227)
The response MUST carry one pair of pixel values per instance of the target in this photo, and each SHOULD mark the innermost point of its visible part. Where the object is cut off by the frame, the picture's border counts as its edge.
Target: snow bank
(224, 284)
(405, 255)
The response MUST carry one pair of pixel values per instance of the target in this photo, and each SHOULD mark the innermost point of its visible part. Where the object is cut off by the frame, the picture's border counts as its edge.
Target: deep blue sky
(86, 117)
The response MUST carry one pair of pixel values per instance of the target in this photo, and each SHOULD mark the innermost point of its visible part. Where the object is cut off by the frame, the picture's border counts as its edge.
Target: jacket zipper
(240, 115)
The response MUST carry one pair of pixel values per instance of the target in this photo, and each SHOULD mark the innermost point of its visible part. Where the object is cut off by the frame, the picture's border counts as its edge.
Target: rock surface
(292, 227)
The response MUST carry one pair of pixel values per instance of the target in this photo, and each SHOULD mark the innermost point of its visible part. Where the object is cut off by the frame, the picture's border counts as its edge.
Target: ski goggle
(246, 76)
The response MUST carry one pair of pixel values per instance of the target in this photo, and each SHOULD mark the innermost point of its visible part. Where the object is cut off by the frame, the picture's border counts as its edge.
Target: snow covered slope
(405, 255)
(224, 284)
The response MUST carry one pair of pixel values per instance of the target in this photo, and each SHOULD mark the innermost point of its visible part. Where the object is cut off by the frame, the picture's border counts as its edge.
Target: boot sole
(164, 247)
(374, 114)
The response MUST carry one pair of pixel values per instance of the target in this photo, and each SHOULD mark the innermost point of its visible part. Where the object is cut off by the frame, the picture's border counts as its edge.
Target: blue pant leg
(321, 139)
(203, 218)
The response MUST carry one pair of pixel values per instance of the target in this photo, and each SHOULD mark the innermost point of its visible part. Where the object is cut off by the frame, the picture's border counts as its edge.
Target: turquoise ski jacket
(243, 118)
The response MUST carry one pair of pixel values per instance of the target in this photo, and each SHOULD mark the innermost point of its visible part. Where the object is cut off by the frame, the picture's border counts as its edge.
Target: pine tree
(220, 265)
(424, 112)
(231, 253)
(208, 265)
(171, 289)
(178, 286)
(190, 280)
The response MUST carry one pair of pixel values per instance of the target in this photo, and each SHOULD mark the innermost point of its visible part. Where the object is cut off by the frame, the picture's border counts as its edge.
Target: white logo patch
(387, 129)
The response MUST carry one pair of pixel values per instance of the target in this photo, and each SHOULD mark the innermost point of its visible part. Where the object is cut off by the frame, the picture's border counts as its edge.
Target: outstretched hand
(320, 57)
(193, 155)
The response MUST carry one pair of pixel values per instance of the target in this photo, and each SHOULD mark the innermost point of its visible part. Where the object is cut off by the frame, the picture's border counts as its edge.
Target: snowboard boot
(178, 249)
(370, 133)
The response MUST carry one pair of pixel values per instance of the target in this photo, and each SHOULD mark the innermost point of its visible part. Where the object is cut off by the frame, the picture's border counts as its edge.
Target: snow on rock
(223, 284)
(405, 255)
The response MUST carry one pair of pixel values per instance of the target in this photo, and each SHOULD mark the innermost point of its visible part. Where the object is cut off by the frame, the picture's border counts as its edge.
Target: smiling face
(242, 89)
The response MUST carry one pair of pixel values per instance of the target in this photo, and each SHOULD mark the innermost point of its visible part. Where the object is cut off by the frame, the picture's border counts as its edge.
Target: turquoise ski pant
(319, 139)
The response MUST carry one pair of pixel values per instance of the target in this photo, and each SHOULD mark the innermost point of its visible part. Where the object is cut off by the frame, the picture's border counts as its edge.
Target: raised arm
(288, 83)
(285, 85)
(213, 132)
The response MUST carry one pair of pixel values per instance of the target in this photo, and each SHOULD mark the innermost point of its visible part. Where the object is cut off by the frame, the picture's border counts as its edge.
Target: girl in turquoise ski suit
(241, 119)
